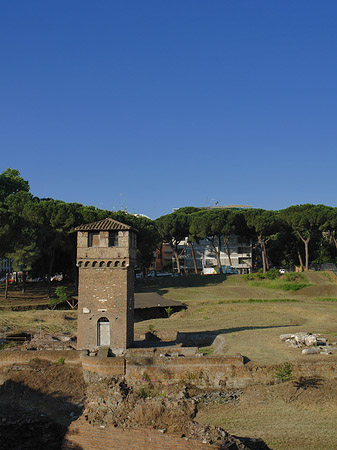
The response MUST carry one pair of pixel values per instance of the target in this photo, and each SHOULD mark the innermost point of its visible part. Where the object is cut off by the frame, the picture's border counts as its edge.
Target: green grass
(279, 284)
(259, 300)
(321, 299)
(272, 300)
(207, 350)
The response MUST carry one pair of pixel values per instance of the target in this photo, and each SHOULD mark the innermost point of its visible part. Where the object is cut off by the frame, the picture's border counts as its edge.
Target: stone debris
(45, 341)
(115, 403)
(310, 343)
(219, 397)
(310, 351)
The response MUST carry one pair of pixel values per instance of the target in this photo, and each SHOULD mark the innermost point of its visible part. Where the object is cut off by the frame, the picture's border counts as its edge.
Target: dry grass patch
(285, 416)
(34, 320)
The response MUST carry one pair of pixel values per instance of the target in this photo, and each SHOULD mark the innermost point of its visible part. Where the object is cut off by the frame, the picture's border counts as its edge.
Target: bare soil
(37, 403)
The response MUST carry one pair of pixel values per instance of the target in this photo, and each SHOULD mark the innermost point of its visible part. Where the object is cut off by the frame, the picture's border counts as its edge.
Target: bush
(61, 293)
(294, 276)
(272, 274)
(169, 311)
(59, 362)
(284, 373)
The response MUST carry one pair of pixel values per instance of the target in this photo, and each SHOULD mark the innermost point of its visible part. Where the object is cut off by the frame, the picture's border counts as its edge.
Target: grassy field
(250, 315)
(284, 416)
(253, 317)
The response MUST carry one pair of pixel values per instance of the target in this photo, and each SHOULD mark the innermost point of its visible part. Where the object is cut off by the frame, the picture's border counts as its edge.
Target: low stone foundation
(215, 372)
(202, 371)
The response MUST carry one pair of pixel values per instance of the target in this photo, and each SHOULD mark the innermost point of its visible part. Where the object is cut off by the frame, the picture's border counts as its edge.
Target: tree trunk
(50, 272)
(306, 247)
(175, 252)
(6, 286)
(306, 244)
(263, 255)
(24, 282)
(228, 253)
(334, 239)
(193, 257)
(300, 259)
(217, 252)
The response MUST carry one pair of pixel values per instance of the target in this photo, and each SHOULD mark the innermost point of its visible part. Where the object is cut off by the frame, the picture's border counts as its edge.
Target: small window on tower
(113, 238)
(93, 239)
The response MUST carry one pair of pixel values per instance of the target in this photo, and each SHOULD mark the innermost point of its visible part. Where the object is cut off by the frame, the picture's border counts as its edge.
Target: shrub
(272, 274)
(284, 373)
(59, 362)
(61, 293)
(169, 311)
(294, 276)
(147, 388)
(151, 328)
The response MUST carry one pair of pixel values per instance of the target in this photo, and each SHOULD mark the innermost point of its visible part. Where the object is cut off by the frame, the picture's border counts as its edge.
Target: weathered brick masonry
(89, 437)
(223, 372)
(106, 254)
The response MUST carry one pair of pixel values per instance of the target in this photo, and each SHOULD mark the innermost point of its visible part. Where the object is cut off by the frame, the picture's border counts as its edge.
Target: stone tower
(106, 255)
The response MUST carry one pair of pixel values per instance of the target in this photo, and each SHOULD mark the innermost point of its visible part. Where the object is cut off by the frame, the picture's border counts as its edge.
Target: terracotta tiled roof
(104, 225)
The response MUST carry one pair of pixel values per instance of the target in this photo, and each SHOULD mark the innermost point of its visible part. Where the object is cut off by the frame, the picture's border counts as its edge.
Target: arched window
(116, 263)
(101, 264)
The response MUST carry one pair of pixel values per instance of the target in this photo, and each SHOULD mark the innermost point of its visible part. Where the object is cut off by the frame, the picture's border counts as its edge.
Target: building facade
(240, 249)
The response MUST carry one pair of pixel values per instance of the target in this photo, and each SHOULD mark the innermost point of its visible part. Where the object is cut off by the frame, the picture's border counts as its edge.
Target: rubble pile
(113, 402)
(220, 397)
(310, 343)
(45, 341)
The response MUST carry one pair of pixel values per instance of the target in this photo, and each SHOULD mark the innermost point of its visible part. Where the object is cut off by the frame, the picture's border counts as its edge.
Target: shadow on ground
(199, 338)
(206, 338)
(156, 284)
(38, 402)
(25, 425)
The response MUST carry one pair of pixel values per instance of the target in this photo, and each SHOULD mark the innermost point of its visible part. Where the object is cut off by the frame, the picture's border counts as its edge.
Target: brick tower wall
(106, 290)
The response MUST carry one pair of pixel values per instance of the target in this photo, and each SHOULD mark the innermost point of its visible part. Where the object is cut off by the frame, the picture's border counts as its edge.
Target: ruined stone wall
(88, 437)
(224, 372)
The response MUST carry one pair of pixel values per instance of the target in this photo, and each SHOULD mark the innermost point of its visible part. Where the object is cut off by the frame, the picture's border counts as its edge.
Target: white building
(240, 249)
(6, 265)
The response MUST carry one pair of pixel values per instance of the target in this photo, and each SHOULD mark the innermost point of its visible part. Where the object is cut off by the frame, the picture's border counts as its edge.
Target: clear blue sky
(171, 103)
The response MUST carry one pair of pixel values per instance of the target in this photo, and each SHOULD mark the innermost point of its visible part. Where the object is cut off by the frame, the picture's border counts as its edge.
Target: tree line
(299, 235)
(38, 233)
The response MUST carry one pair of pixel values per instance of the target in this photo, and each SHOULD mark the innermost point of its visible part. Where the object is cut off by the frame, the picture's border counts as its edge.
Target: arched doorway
(103, 332)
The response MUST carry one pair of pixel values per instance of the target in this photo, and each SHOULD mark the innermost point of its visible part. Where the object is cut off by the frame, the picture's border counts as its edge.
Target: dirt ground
(37, 403)
(54, 389)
